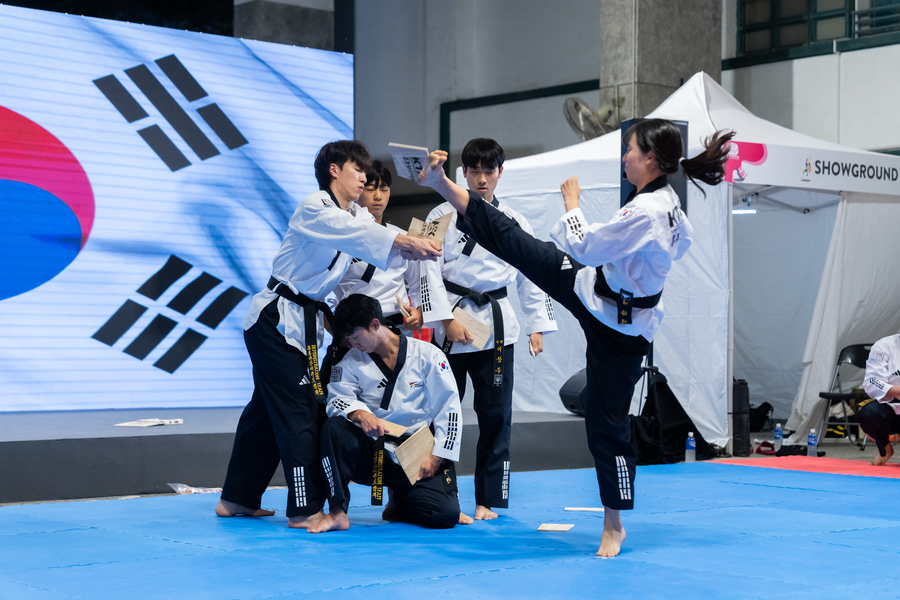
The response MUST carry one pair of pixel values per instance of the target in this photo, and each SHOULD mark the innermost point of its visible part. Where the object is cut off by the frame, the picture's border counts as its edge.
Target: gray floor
(82, 424)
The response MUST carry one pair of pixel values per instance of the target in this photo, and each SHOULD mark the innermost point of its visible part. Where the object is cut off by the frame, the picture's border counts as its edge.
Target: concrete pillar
(307, 23)
(650, 47)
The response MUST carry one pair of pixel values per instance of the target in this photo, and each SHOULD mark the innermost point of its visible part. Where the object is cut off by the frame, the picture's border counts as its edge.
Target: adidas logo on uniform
(382, 383)
(305, 380)
(566, 264)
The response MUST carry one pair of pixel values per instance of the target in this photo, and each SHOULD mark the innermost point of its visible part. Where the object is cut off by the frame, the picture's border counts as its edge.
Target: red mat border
(810, 464)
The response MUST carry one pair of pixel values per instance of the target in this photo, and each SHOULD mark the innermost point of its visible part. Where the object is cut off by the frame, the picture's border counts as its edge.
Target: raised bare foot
(305, 522)
(465, 519)
(483, 513)
(230, 509)
(880, 461)
(334, 521)
(613, 534)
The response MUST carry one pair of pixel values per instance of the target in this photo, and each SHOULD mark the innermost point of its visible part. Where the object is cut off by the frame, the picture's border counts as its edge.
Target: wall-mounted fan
(589, 123)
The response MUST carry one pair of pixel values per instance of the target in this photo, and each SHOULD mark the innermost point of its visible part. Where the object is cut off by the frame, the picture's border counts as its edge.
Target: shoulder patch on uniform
(336, 374)
(327, 201)
(444, 367)
(879, 355)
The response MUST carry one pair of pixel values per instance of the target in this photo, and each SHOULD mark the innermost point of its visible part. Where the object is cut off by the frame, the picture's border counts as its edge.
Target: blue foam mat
(698, 530)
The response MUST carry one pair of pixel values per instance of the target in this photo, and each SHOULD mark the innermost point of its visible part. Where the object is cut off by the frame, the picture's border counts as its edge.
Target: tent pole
(729, 369)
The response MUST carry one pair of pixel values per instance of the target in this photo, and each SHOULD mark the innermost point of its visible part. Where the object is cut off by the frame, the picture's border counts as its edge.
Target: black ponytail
(709, 165)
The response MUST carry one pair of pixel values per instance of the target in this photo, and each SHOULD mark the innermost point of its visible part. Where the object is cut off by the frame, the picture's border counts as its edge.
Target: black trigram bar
(192, 292)
(119, 323)
(180, 351)
(222, 125)
(182, 79)
(221, 306)
(160, 143)
(149, 338)
(159, 282)
(124, 102)
(169, 108)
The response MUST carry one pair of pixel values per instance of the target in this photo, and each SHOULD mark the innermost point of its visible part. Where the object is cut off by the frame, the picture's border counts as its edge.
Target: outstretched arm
(434, 177)
(412, 248)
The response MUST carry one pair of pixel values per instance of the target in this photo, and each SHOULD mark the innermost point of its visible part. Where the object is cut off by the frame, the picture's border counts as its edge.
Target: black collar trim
(657, 184)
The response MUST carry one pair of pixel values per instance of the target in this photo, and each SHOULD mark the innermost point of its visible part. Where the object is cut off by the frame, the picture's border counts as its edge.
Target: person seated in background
(882, 383)
(405, 381)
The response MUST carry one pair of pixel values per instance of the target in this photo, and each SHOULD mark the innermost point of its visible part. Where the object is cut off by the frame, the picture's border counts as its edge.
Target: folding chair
(856, 356)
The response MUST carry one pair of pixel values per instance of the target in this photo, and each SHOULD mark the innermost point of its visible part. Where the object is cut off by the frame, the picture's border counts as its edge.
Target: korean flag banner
(147, 177)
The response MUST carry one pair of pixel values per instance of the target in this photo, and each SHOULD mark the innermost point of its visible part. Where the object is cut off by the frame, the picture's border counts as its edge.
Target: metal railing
(875, 21)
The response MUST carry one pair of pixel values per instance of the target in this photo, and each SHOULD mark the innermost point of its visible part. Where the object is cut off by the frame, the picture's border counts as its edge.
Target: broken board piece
(555, 527)
(585, 508)
(150, 422)
(408, 160)
(400, 306)
(479, 330)
(414, 451)
(432, 230)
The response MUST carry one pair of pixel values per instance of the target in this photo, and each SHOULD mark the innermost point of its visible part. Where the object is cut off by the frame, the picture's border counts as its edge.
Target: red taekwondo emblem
(46, 205)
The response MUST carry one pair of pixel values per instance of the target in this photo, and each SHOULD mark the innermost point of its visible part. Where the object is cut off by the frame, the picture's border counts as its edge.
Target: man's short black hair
(483, 151)
(339, 153)
(356, 310)
(378, 175)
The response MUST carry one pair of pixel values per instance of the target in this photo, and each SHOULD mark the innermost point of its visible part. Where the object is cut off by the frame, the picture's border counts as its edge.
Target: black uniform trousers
(493, 405)
(879, 421)
(279, 423)
(613, 359)
(348, 453)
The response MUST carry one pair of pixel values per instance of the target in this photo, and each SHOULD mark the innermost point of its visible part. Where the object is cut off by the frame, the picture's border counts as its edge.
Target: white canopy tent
(774, 263)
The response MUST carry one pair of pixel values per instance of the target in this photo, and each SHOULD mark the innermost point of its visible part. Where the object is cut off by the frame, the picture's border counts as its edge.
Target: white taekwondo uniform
(420, 391)
(883, 370)
(382, 284)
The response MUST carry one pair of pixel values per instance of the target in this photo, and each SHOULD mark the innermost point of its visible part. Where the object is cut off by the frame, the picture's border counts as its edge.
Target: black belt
(624, 299)
(310, 332)
(378, 473)
(480, 300)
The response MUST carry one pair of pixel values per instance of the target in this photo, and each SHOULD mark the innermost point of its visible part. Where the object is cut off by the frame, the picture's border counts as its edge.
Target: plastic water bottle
(811, 443)
(779, 436)
(690, 448)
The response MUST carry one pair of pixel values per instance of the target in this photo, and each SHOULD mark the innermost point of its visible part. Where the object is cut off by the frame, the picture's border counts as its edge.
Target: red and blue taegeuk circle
(46, 205)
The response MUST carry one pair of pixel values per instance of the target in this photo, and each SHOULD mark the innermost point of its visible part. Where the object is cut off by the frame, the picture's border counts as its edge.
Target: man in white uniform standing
(389, 377)
(470, 277)
(882, 383)
(283, 333)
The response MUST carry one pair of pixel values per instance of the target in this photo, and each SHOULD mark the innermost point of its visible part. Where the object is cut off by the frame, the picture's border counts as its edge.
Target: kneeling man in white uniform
(388, 377)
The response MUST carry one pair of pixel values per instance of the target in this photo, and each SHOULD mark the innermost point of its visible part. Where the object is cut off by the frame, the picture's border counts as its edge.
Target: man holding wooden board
(464, 296)
(387, 380)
